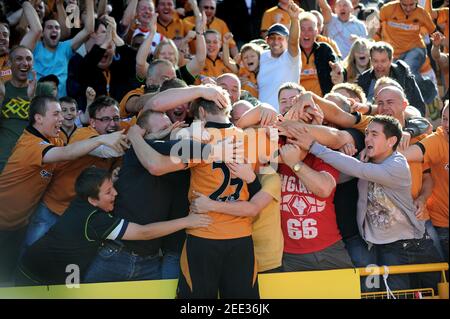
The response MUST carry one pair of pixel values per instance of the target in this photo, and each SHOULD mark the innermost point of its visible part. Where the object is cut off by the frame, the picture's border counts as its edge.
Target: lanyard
(107, 76)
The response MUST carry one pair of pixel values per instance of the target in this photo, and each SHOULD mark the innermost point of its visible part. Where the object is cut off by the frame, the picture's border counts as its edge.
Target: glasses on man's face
(209, 8)
(107, 119)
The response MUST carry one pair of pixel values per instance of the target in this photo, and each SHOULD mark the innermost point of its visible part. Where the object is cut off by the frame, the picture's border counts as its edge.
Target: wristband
(358, 117)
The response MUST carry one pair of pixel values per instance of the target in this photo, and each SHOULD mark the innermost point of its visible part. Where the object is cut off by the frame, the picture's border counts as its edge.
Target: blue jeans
(361, 256)
(415, 58)
(442, 233)
(43, 219)
(359, 252)
(411, 251)
(431, 230)
(113, 263)
(170, 268)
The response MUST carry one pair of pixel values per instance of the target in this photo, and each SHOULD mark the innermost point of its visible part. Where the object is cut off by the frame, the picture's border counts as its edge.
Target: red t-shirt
(308, 221)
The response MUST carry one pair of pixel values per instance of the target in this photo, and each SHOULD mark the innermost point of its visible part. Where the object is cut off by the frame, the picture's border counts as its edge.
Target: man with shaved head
(239, 108)
(231, 83)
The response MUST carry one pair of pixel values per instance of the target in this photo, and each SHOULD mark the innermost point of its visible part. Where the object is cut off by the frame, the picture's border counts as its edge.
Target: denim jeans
(442, 233)
(359, 252)
(113, 263)
(43, 219)
(170, 267)
(361, 257)
(431, 230)
(411, 251)
(415, 58)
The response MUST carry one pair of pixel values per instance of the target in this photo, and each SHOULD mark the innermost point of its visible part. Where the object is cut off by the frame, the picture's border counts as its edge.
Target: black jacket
(122, 68)
(401, 73)
(323, 54)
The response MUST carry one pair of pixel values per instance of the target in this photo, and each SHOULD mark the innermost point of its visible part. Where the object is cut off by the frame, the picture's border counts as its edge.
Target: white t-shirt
(341, 32)
(273, 72)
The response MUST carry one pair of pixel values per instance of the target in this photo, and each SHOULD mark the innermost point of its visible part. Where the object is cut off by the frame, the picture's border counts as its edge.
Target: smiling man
(342, 26)
(29, 171)
(52, 55)
(15, 102)
(5, 67)
(282, 62)
(104, 119)
(381, 56)
(169, 24)
(316, 57)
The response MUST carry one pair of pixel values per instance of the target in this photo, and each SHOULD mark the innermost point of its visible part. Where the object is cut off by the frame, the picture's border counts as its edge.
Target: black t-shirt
(184, 74)
(144, 198)
(179, 208)
(346, 196)
(74, 239)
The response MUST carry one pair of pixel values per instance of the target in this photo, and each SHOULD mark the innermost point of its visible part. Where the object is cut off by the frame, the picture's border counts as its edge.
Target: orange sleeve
(122, 105)
(265, 23)
(428, 22)
(362, 125)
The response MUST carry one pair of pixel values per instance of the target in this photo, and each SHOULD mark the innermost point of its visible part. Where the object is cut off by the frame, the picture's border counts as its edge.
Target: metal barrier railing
(443, 287)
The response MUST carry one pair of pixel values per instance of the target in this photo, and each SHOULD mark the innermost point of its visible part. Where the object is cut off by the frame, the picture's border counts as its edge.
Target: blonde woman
(358, 59)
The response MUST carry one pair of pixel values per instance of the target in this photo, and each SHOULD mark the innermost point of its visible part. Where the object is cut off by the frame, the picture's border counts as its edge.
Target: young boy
(78, 234)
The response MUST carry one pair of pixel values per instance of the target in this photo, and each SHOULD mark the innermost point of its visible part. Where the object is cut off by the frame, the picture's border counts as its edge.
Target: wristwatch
(297, 167)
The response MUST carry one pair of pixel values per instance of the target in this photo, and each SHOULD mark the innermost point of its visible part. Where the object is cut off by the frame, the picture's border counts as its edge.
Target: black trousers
(212, 268)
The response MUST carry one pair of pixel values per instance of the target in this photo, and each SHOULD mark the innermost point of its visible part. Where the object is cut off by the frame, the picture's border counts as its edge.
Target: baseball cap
(49, 78)
(278, 29)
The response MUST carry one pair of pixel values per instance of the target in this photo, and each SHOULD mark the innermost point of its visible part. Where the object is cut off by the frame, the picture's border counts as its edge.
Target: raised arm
(377, 173)
(32, 37)
(332, 113)
(195, 66)
(73, 151)
(227, 60)
(101, 8)
(262, 115)
(294, 31)
(145, 49)
(136, 103)
(441, 58)
(328, 136)
(62, 16)
(320, 183)
(88, 27)
(172, 98)
(130, 13)
(326, 11)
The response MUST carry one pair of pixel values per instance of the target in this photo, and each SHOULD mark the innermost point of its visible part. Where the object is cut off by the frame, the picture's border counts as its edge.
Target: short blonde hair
(307, 16)
(162, 44)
